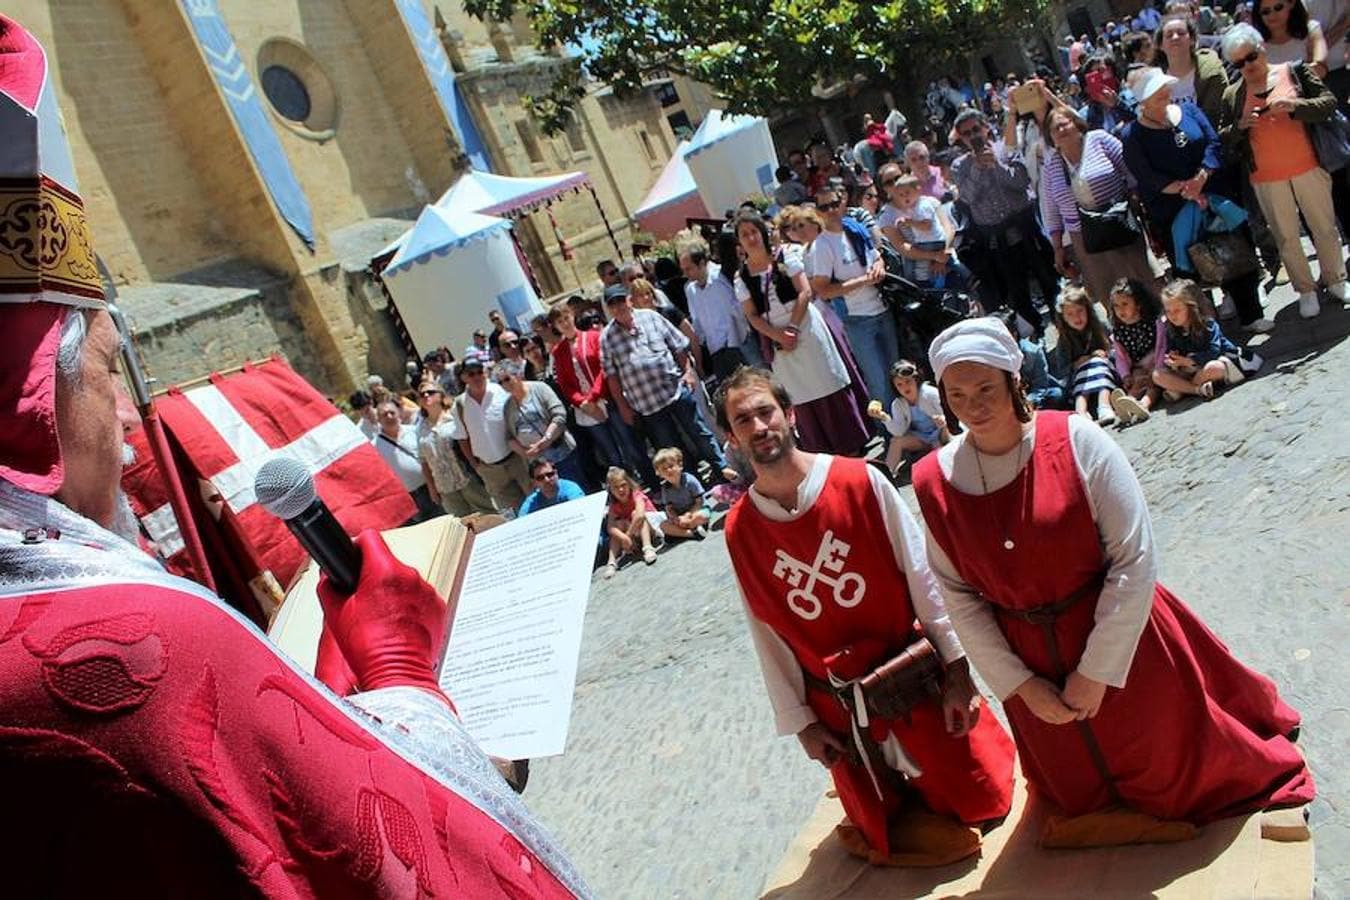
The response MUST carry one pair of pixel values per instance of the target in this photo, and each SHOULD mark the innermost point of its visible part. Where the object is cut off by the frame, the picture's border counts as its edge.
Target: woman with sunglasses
(536, 421)
(1291, 35)
(1265, 123)
(450, 482)
(1174, 154)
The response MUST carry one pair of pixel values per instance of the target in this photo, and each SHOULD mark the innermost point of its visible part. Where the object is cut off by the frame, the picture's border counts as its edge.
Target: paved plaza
(674, 784)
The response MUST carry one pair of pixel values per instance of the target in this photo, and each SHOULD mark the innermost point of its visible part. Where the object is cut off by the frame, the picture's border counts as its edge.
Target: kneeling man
(858, 656)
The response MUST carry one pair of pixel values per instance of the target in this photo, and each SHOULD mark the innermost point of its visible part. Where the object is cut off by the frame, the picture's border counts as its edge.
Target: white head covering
(1151, 81)
(985, 340)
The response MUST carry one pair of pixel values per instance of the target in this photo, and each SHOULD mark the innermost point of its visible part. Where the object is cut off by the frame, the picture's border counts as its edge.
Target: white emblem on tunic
(848, 588)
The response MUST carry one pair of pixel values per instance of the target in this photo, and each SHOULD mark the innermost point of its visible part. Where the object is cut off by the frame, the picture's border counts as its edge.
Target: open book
(517, 596)
(437, 549)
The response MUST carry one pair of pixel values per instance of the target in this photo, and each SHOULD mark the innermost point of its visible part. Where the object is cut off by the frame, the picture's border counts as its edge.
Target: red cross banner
(222, 432)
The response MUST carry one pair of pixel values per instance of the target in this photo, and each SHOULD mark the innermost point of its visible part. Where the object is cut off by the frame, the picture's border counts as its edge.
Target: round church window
(298, 90)
(286, 92)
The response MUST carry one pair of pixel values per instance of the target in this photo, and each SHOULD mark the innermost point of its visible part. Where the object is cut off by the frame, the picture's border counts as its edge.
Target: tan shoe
(1129, 410)
(1112, 828)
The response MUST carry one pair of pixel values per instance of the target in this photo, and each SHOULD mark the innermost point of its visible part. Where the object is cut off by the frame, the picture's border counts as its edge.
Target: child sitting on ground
(926, 229)
(1082, 355)
(1043, 390)
(627, 519)
(1138, 341)
(916, 422)
(1196, 354)
(682, 497)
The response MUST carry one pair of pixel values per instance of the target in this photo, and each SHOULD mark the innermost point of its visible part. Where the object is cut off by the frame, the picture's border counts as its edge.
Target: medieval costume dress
(836, 587)
(1048, 565)
(825, 387)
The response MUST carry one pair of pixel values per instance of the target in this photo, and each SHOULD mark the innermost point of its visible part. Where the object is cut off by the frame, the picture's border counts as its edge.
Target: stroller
(920, 313)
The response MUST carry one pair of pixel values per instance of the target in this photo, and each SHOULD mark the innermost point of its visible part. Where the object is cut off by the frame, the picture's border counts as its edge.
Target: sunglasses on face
(509, 343)
(545, 476)
(891, 182)
(826, 207)
(431, 393)
(1247, 60)
(1271, 10)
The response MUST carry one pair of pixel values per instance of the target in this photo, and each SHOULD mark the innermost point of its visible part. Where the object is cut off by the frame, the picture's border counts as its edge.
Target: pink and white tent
(672, 199)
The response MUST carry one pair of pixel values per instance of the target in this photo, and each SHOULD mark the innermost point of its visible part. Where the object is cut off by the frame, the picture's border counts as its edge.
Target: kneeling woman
(1118, 695)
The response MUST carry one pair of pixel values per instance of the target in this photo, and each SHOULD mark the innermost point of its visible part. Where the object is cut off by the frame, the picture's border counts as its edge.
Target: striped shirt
(1102, 167)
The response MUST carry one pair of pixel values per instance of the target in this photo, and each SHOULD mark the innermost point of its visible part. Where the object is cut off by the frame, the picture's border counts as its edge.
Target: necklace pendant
(1008, 544)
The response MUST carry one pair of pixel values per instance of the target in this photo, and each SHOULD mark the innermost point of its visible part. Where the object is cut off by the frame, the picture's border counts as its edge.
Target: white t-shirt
(1325, 13)
(1294, 50)
(401, 455)
(1184, 89)
(930, 401)
(925, 212)
(483, 424)
(832, 255)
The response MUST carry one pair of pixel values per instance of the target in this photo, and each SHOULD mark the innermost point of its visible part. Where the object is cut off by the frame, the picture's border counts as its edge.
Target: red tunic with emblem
(827, 583)
(1193, 735)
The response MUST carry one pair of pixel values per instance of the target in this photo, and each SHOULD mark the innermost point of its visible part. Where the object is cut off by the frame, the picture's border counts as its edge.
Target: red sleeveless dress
(1194, 735)
(828, 585)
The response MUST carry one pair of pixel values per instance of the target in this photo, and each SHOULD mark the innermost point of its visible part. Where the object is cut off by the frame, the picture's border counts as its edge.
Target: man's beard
(124, 523)
(768, 454)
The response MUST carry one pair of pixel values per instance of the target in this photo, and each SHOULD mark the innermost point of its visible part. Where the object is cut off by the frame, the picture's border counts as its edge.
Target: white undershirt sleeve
(782, 675)
(1126, 534)
(973, 619)
(907, 545)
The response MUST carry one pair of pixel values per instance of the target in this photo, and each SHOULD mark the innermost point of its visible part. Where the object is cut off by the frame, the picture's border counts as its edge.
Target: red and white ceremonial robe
(155, 744)
(827, 583)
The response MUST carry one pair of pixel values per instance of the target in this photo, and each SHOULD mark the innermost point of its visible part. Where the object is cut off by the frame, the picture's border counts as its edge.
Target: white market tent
(451, 269)
(731, 157)
(672, 200)
(495, 195)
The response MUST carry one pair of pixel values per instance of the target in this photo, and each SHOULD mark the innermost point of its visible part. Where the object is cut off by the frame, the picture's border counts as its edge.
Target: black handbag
(1220, 257)
(1110, 228)
(1104, 229)
(1330, 137)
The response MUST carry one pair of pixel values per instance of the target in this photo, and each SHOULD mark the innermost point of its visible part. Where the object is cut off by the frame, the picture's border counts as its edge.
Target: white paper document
(511, 664)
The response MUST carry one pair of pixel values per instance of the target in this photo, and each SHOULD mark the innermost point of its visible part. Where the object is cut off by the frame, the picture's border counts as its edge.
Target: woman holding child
(1123, 704)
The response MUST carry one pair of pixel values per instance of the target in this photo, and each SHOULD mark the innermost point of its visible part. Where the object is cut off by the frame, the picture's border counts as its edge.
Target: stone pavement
(674, 785)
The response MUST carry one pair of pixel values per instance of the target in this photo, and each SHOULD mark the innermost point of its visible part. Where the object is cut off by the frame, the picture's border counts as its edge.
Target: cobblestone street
(674, 784)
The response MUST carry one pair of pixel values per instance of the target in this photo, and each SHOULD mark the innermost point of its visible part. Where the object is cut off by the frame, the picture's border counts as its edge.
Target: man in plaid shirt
(646, 358)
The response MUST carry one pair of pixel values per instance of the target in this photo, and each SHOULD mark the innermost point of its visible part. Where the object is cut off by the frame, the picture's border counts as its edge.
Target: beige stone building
(193, 123)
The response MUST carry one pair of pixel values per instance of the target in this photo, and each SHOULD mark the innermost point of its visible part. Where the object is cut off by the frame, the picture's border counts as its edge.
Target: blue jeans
(619, 446)
(875, 347)
(680, 425)
(750, 350)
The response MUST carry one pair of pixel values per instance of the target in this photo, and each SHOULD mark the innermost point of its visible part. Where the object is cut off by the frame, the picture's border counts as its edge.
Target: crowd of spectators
(1110, 213)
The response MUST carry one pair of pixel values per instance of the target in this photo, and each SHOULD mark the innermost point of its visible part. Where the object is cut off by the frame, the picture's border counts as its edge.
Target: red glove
(390, 630)
(331, 668)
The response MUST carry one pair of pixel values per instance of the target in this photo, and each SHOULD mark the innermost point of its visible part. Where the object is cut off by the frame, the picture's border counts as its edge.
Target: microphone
(285, 488)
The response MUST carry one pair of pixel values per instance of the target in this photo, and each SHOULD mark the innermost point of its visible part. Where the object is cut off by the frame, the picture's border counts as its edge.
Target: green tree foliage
(763, 54)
